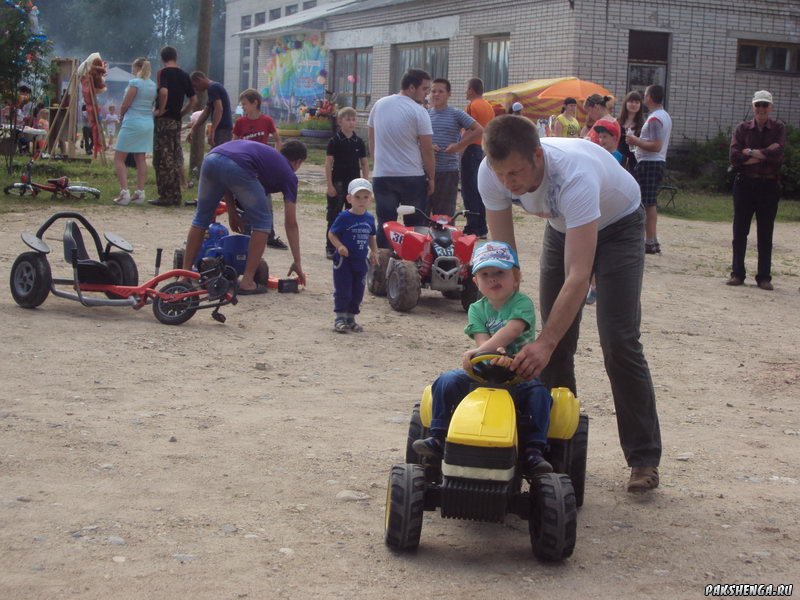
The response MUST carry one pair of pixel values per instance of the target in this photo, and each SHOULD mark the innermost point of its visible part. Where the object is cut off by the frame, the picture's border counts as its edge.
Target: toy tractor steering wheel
(484, 372)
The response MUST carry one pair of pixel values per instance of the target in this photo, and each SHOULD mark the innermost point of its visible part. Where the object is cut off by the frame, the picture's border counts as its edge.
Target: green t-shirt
(483, 318)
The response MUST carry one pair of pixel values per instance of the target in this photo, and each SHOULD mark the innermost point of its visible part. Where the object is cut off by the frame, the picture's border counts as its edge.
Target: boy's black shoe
(652, 248)
(330, 253)
(533, 463)
(432, 447)
(273, 241)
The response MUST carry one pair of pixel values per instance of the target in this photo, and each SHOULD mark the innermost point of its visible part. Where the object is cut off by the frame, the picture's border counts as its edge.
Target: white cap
(516, 107)
(762, 96)
(359, 184)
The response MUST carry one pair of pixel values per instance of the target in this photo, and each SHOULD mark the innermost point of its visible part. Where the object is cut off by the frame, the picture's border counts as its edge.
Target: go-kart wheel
(403, 285)
(18, 189)
(177, 258)
(405, 501)
(469, 293)
(577, 458)
(176, 312)
(554, 517)
(262, 273)
(124, 270)
(416, 431)
(30, 279)
(376, 275)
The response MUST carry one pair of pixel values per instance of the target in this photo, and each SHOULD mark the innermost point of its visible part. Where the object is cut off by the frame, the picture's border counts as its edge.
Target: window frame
(275, 13)
(291, 9)
(359, 95)
(397, 72)
(791, 62)
(484, 42)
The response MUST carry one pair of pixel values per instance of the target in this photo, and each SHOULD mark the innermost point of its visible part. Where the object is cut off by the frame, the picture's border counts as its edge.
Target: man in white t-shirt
(594, 226)
(651, 153)
(401, 145)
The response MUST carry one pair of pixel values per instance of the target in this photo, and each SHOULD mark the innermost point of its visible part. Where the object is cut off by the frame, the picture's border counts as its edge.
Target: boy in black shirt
(346, 160)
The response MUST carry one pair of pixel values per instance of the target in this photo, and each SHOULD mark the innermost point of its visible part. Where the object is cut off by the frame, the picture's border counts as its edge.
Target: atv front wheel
(469, 293)
(30, 279)
(175, 312)
(376, 275)
(405, 502)
(554, 517)
(403, 285)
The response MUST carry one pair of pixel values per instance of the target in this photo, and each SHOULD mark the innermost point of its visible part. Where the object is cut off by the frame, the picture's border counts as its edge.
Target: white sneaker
(138, 197)
(123, 199)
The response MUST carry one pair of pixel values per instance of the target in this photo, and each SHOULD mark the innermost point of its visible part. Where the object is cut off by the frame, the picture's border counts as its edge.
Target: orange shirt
(480, 110)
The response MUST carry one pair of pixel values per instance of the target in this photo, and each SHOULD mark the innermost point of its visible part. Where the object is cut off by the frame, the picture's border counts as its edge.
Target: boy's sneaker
(353, 326)
(273, 241)
(123, 199)
(533, 463)
(341, 326)
(652, 248)
(330, 253)
(591, 297)
(432, 447)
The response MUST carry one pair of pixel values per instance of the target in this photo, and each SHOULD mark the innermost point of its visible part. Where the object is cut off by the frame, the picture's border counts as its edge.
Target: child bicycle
(58, 187)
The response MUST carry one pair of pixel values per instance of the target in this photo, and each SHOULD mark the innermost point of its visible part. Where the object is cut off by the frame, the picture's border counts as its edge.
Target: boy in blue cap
(502, 321)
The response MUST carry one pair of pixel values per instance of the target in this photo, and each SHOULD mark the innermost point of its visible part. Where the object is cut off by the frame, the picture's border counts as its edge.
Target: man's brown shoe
(643, 479)
(766, 285)
(734, 280)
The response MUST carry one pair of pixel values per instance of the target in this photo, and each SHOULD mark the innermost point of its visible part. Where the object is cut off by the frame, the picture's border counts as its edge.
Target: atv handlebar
(406, 209)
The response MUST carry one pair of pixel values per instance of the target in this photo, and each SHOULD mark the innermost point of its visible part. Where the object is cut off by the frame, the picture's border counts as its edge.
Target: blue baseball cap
(494, 254)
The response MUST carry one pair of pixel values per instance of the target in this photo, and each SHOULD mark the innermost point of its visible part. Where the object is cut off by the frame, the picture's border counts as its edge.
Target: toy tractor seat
(89, 271)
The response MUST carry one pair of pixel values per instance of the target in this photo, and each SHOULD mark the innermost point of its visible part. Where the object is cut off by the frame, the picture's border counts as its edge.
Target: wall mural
(296, 75)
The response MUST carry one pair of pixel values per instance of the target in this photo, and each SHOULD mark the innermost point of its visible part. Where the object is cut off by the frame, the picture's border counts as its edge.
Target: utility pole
(203, 60)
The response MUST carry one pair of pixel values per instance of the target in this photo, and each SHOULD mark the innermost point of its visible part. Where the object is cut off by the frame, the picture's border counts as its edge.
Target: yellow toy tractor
(480, 478)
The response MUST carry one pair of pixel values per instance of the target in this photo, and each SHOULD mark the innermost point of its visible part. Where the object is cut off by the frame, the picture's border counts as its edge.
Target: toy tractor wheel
(405, 501)
(469, 293)
(376, 275)
(403, 285)
(416, 431)
(123, 268)
(262, 273)
(30, 279)
(177, 258)
(554, 517)
(577, 460)
(174, 313)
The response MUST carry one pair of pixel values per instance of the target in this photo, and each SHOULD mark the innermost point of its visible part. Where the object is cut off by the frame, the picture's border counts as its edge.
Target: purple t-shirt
(270, 166)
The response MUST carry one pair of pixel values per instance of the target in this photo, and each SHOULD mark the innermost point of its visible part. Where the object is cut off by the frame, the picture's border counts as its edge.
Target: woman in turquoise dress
(136, 133)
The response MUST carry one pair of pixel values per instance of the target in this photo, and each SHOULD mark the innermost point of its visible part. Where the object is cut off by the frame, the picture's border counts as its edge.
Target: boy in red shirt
(254, 126)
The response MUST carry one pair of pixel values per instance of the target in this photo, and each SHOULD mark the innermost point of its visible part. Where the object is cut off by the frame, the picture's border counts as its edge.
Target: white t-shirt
(398, 122)
(658, 126)
(582, 183)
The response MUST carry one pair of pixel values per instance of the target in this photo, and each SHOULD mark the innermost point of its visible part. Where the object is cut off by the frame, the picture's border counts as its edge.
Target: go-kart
(480, 478)
(436, 256)
(115, 275)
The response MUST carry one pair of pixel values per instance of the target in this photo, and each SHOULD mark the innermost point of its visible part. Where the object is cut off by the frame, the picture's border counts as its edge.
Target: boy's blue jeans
(349, 281)
(531, 398)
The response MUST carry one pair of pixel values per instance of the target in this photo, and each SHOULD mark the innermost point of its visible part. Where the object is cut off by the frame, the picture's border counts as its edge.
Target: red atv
(436, 256)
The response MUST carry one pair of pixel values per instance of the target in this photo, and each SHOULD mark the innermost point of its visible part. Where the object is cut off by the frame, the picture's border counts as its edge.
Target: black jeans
(757, 197)
(336, 204)
(391, 192)
(470, 161)
(618, 268)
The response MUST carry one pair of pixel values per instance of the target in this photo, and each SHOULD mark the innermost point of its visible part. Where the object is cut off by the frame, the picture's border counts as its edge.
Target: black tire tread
(407, 293)
(406, 498)
(41, 282)
(554, 517)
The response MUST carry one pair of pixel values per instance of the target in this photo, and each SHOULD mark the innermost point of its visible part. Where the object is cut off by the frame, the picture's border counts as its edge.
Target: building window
(244, 55)
(260, 18)
(768, 56)
(493, 62)
(309, 4)
(274, 13)
(290, 9)
(352, 77)
(430, 56)
(648, 60)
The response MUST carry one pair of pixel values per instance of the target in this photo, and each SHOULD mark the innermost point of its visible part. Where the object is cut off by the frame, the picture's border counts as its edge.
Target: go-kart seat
(89, 271)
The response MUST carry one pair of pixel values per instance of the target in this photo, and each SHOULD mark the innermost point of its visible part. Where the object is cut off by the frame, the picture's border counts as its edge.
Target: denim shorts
(220, 174)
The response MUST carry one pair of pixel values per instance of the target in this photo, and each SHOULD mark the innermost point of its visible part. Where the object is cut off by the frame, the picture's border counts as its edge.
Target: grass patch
(719, 208)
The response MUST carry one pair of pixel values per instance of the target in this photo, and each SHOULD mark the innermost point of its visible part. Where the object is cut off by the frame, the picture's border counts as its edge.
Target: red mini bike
(436, 256)
(116, 276)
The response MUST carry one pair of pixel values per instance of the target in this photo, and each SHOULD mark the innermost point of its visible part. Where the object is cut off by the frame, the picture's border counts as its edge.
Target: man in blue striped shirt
(448, 141)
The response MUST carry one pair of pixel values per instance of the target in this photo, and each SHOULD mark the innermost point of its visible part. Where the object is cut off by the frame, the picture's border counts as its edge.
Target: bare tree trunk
(203, 60)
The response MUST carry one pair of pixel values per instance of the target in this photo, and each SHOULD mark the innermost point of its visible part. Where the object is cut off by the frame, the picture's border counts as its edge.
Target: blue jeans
(349, 281)
(391, 192)
(618, 269)
(218, 175)
(470, 161)
(532, 399)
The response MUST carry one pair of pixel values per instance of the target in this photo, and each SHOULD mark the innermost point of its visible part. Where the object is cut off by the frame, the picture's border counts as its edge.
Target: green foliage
(22, 52)
(707, 164)
(289, 125)
(321, 124)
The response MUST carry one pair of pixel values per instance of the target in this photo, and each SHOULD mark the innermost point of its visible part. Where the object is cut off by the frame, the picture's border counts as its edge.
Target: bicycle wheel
(81, 191)
(18, 189)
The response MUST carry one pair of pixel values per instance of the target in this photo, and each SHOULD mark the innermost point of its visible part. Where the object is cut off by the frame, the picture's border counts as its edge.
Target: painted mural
(295, 73)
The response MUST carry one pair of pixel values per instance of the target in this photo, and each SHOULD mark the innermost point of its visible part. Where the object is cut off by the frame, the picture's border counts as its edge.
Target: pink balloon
(351, 78)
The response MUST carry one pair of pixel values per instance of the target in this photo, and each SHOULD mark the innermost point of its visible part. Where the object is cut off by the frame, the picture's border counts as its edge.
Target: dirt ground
(249, 460)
